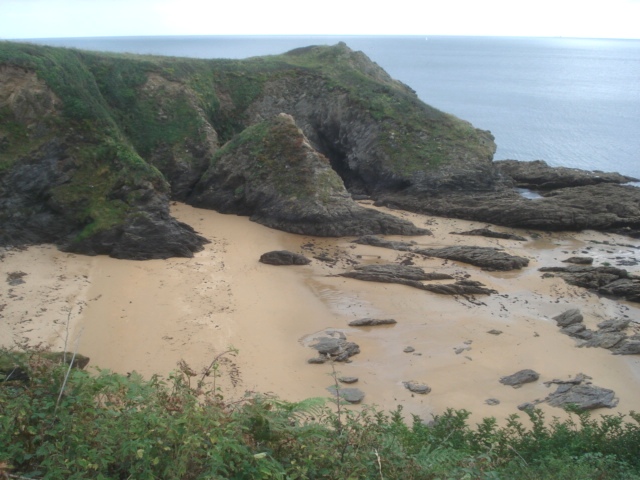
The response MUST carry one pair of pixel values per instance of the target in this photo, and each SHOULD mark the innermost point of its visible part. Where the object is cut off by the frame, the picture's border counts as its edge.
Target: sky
(23, 19)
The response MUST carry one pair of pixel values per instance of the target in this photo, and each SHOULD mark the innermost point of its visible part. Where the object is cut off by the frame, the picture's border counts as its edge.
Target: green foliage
(108, 426)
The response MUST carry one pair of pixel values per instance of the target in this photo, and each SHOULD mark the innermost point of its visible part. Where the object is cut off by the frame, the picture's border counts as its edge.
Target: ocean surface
(571, 102)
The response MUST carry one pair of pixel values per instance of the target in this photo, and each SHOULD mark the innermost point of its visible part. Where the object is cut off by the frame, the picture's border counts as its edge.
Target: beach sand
(146, 316)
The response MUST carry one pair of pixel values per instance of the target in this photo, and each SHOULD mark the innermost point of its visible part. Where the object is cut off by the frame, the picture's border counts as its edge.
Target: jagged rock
(334, 345)
(460, 287)
(273, 174)
(485, 232)
(612, 281)
(614, 325)
(372, 322)
(351, 395)
(577, 330)
(569, 318)
(579, 260)
(604, 339)
(627, 347)
(376, 241)
(284, 257)
(348, 380)
(416, 387)
(393, 273)
(485, 257)
(584, 397)
(519, 378)
(537, 175)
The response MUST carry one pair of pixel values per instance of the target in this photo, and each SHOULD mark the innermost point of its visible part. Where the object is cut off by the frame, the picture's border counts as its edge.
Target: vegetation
(64, 423)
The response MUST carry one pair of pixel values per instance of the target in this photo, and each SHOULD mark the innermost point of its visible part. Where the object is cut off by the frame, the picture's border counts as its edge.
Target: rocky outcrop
(579, 394)
(486, 258)
(333, 345)
(272, 173)
(375, 241)
(538, 175)
(610, 281)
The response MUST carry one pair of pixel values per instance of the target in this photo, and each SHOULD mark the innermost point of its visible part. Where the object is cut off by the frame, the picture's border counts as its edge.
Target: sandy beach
(146, 316)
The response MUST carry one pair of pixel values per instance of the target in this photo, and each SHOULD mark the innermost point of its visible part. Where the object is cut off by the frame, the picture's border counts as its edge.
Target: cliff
(94, 145)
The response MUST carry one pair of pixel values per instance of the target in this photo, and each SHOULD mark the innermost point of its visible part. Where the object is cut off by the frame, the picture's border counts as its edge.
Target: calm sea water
(571, 102)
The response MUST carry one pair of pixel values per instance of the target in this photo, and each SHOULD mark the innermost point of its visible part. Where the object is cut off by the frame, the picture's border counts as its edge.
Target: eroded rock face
(272, 173)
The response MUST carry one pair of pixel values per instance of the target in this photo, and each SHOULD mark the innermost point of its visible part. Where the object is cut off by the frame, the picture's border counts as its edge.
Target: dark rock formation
(417, 387)
(537, 175)
(520, 377)
(579, 260)
(627, 347)
(372, 322)
(273, 174)
(485, 257)
(413, 276)
(611, 281)
(584, 397)
(284, 257)
(376, 241)
(485, 232)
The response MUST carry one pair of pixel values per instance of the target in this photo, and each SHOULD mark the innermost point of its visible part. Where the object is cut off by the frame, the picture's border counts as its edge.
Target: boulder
(417, 387)
(579, 260)
(584, 397)
(627, 347)
(283, 257)
(333, 345)
(520, 377)
(351, 395)
(348, 380)
(604, 339)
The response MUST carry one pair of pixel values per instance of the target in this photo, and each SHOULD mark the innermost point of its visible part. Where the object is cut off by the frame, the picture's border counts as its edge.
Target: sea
(571, 102)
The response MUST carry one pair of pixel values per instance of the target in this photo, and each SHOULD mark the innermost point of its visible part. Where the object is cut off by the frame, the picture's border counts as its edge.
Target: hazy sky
(90, 18)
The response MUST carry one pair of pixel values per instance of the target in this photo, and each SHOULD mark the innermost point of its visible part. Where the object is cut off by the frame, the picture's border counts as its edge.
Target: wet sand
(146, 316)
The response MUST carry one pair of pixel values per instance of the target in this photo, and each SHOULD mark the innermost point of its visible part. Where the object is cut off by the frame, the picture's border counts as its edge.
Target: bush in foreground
(64, 423)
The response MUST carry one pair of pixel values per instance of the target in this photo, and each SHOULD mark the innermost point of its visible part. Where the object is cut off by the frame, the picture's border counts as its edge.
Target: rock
(579, 260)
(460, 287)
(351, 395)
(272, 173)
(577, 330)
(610, 281)
(495, 332)
(614, 325)
(334, 345)
(520, 377)
(284, 257)
(485, 257)
(492, 401)
(372, 322)
(392, 273)
(416, 387)
(485, 232)
(584, 397)
(318, 360)
(348, 380)
(604, 339)
(409, 350)
(537, 175)
(627, 347)
(376, 241)
(569, 317)
(526, 406)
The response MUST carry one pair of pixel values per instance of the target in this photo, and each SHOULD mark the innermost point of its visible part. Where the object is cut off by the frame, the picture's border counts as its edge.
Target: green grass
(110, 426)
